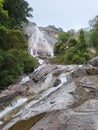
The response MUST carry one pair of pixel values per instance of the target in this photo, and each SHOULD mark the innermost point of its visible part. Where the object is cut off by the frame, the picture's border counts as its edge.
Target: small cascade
(47, 96)
(24, 79)
(43, 96)
(40, 94)
(12, 106)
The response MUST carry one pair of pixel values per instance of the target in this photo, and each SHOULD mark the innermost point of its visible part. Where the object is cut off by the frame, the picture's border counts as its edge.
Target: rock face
(54, 97)
(40, 40)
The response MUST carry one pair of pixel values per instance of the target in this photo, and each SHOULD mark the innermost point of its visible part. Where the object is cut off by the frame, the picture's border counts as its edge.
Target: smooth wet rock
(67, 120)
(79, 72)
(90, 82)
(90, 105)
(67, 94)
(94, 62)
(40, 75)
(92, 70)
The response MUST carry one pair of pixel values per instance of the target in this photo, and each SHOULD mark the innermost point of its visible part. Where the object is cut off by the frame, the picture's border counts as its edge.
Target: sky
(67, 14)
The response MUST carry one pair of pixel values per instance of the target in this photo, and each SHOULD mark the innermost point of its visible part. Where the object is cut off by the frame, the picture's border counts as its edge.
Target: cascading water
(12, 106)
(45, 97)
(49, 97)
(38, 45)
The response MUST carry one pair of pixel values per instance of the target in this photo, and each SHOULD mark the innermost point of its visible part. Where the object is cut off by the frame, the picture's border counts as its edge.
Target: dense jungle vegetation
(72, 47)
(14, 58)
(77, 47)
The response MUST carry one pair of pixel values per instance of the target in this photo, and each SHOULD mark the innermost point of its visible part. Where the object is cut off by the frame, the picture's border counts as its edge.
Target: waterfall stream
(46, 89)
(50, 97)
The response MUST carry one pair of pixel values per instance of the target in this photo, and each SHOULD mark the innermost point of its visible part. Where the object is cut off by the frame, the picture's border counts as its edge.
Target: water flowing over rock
(53, 97)
(40, 40)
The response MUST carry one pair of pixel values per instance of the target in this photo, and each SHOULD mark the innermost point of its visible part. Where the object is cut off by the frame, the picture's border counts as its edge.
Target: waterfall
(44, 96)
(38, 44)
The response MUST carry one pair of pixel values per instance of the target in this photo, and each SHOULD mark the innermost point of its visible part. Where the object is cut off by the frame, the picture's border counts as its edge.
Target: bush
(27, 62)
(72, 41)
(13, 63)
(87, 56)
(78, 60)
(14, 40)
(73, 55)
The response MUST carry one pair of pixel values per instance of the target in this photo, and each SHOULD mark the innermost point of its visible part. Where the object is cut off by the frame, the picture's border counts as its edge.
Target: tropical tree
(18, 11)
(63, 37)
(82, 41)
(3, 15)
(72, 41)
(94, 33)
(14, 58)
(94, 39)
(94, 23)
(71, 32)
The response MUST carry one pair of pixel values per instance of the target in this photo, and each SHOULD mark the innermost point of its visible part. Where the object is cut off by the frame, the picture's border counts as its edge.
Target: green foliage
(73, 52)
(82, 42)
(59, 59)
(13, 63)
(72, 41)
(63, 37)
(18, 11)
(94, 39)
(94, 23)
(7, 68)
(3, 36)
(27, 62)
(59, 48)
(12, 39)
(71, 32)
(16, 40)
(4, 19)
(14, 59)
(53, 28)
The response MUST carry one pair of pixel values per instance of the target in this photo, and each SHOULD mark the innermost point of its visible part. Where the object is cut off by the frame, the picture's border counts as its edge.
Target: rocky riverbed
(53, 97)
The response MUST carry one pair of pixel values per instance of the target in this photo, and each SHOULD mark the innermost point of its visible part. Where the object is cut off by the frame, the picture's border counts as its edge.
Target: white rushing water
(1, 122)
(47, 97)
(45, 94)
(63, 79)
(38, 43)
(51, 99)
(40, 61)
(11, 107)
(24, 79)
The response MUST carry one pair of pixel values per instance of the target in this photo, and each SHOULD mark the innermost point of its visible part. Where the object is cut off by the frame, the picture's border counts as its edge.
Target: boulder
(42, 73)
(94, 62)
(79, 72)
(90, 82)
(92, 70)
